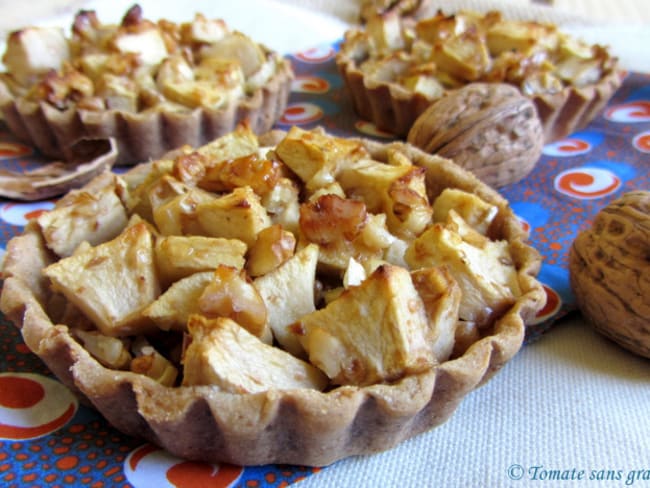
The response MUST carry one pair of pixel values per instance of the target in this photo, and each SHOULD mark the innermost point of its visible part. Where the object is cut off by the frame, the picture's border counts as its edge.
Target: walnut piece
(609, 267)
(490, 129)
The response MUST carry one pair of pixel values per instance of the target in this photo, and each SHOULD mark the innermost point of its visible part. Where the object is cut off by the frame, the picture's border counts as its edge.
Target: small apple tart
(152, 86)
(396, 66)
(289, 298)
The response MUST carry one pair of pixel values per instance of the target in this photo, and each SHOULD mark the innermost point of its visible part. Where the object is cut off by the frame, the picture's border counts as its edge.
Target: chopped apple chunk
(171, 310)
(232, 160)
(282, 204)
(240, 48)
(111, 283)
(397, 190)
(224, 354)
(226, 84)
(374, 332)
(164, 190)
(236, 144)
(236, 215)
(441, 297)
(316, 157)
(465, 56)
(35, 50)
(514, 36)
(288, 293)
(178, 216)
(204, 30)
(148, 44)
(181, 256)
(474, 210)
(138, 187)
(385, 32)
(483, 268)
(83, 216)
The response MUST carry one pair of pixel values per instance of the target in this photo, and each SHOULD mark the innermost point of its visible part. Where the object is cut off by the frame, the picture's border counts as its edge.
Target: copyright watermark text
(540, 472)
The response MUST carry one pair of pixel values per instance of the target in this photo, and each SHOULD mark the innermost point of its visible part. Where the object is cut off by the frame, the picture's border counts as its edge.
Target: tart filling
(417, 62)
(285, 298)
(143, 80)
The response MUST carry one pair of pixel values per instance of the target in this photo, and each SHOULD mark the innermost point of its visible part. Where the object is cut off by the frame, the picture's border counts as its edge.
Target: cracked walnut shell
(490, 129)
(610, 272)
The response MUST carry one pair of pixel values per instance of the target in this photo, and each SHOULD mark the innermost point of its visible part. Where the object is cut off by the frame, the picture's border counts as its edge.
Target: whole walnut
(609, 267)
(490, 129)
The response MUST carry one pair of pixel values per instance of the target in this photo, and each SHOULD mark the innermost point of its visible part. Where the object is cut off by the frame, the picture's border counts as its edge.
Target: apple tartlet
(395, 67)
(289, 298)
(152, 86)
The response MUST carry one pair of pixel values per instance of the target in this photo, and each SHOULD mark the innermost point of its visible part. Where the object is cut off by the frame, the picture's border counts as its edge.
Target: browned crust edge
(304, 427)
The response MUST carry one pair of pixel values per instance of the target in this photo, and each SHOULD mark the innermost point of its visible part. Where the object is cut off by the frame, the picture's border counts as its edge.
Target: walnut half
(610, 272)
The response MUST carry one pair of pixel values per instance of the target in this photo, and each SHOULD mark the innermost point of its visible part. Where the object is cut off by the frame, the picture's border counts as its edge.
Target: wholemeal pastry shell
(301, 426)
(142, 136)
